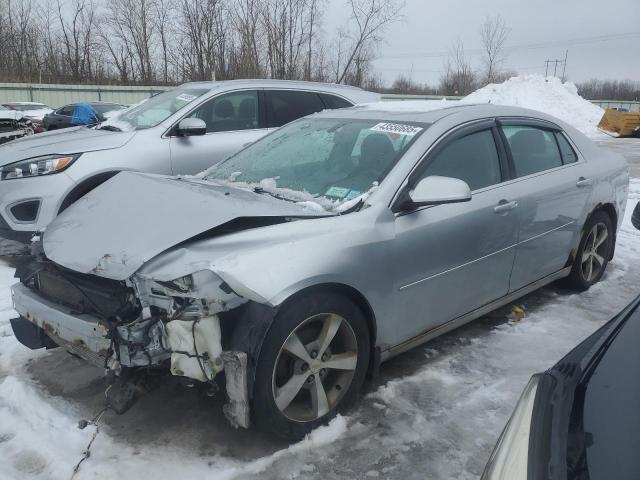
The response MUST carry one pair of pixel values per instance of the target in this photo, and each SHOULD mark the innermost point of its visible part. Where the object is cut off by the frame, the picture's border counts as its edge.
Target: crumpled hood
(68, 140)
(128, 220)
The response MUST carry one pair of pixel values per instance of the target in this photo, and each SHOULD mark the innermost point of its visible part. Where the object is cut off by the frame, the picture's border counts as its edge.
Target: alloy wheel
(594, 252)
(315, 367)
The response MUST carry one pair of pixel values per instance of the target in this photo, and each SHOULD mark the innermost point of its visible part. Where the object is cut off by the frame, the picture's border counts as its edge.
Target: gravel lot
(434, 412)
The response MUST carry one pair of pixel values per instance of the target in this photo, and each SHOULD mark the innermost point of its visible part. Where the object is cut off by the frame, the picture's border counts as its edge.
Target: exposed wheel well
(85, 187)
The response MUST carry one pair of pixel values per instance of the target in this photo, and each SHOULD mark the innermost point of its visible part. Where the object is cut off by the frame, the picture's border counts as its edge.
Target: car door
(233, 120)
(61, 118)
(552, 196)
(450, 259)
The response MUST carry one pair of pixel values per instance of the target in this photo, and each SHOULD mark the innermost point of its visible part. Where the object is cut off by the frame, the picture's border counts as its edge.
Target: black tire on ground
(581, 278)
(306, 316)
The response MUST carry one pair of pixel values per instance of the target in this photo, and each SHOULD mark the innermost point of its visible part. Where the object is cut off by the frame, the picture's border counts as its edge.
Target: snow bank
(549, 95)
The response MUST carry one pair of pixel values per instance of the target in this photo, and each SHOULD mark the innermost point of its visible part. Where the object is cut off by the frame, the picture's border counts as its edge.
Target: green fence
(58, 95)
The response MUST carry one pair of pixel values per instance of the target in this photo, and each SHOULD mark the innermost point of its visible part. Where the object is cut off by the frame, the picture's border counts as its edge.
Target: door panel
(451, 259)
(191, 155)
(550, 206)
(552, 198)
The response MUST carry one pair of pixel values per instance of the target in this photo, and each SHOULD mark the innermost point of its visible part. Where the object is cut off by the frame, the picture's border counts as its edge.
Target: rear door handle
(584, 182)
(504, 206)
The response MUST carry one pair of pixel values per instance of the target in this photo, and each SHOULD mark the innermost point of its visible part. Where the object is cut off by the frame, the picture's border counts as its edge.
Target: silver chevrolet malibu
(302, 262)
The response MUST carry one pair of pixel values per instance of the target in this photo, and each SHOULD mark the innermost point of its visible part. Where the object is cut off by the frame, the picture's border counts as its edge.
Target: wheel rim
(594, 252)
(315, 367)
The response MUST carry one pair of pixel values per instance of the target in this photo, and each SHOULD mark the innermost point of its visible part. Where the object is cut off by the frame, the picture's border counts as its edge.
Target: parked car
(182, 131)
(33, 111)
(13, 125)
(336, 242)
(578, 420)
(76, 114)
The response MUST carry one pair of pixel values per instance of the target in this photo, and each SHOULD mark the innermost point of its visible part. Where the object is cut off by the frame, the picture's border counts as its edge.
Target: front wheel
(593, 252)
(311, 365)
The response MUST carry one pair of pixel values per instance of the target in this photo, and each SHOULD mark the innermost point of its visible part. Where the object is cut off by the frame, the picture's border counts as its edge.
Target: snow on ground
(548, 95)
(435, 412)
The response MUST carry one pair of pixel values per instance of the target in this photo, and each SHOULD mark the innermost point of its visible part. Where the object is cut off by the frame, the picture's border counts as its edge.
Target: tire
(286, 399)
(588, 268)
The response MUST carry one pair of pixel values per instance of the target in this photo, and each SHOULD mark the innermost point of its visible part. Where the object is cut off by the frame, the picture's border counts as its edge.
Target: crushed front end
(134, 324)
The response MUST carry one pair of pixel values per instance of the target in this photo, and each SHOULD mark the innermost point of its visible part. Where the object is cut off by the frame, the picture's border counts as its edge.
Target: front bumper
(85, 336)
(81, 334)
(47, 190)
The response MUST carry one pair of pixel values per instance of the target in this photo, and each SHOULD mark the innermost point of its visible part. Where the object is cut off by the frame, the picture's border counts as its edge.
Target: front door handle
(584, 182)
(504, 206)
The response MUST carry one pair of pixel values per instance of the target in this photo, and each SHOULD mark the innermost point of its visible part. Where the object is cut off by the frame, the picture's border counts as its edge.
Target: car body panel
(358, 250)
(169, 212)
(72, 140)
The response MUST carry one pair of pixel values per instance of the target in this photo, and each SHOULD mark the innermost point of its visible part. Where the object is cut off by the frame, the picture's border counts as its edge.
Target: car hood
(68, 140)
(128, 220)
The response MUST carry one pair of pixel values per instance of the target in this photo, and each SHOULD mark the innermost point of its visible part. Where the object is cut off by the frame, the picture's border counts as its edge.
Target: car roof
(430, 113)
(93, 103)
(266, 83)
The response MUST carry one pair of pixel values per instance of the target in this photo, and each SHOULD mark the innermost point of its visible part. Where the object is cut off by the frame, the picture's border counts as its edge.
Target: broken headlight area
(140, 323)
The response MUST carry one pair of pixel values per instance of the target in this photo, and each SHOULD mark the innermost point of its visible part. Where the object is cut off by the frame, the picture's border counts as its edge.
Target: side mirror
(189, 127)
(435, 190)
(635, 216)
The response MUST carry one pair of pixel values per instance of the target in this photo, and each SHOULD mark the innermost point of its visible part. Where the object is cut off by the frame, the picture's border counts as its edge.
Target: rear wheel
(593, 252)
(312, 364)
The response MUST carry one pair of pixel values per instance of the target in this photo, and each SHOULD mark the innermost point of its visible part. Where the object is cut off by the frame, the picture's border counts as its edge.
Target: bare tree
(370, 18)
(493, 34)
(458, 78)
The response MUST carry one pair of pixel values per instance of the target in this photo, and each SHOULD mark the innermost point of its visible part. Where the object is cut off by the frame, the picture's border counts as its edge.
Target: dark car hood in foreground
(68, 140)
(133, 217)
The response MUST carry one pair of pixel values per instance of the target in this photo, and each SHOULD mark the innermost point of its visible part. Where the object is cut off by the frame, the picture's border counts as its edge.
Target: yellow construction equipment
(620, 124)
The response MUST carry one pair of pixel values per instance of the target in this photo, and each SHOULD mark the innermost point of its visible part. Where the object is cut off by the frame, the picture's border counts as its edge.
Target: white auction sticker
(185, 97)
(399, 128)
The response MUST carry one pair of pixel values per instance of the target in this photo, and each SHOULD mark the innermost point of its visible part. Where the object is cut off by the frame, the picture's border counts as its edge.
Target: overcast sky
(602, 42)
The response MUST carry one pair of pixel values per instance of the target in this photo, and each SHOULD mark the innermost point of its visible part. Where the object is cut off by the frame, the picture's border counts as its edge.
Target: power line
(525, 46)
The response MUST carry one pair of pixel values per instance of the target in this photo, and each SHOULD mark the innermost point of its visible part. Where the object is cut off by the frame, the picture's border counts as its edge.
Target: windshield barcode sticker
(398, 128)
(185, 97)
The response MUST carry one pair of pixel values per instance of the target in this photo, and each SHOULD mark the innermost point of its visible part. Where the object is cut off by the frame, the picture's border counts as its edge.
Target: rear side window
(284, 106)
(533, 149)
(473, 158)
(333, 102)
(568, 154)
(67, 110)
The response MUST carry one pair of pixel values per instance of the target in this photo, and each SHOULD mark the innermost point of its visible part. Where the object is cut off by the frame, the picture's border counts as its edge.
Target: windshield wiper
(110, 128)
(262, 191)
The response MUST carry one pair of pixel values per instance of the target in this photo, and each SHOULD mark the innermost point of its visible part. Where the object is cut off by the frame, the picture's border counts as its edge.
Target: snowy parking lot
(434, 412)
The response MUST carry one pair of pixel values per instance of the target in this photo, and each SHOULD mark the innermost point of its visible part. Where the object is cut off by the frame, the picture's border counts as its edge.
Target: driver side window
(230, 112)
(472, 158)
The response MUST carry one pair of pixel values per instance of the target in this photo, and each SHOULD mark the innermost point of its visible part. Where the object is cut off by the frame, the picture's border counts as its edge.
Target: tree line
(173, 41)
(610, 90)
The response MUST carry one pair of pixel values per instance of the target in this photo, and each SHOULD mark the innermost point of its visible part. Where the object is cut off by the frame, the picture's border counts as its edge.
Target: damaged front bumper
(187, 341)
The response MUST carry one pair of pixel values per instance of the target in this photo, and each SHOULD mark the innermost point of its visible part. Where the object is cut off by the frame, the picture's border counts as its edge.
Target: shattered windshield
(154, 110)
(331, 160)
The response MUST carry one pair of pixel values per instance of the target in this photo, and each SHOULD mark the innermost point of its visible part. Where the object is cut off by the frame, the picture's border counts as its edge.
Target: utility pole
(555, 66)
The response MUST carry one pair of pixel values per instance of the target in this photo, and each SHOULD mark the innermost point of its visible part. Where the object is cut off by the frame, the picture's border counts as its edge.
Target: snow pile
(549, 95)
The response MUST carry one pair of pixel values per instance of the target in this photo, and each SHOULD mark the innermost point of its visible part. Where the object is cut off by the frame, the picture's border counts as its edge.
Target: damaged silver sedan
(301, 263)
